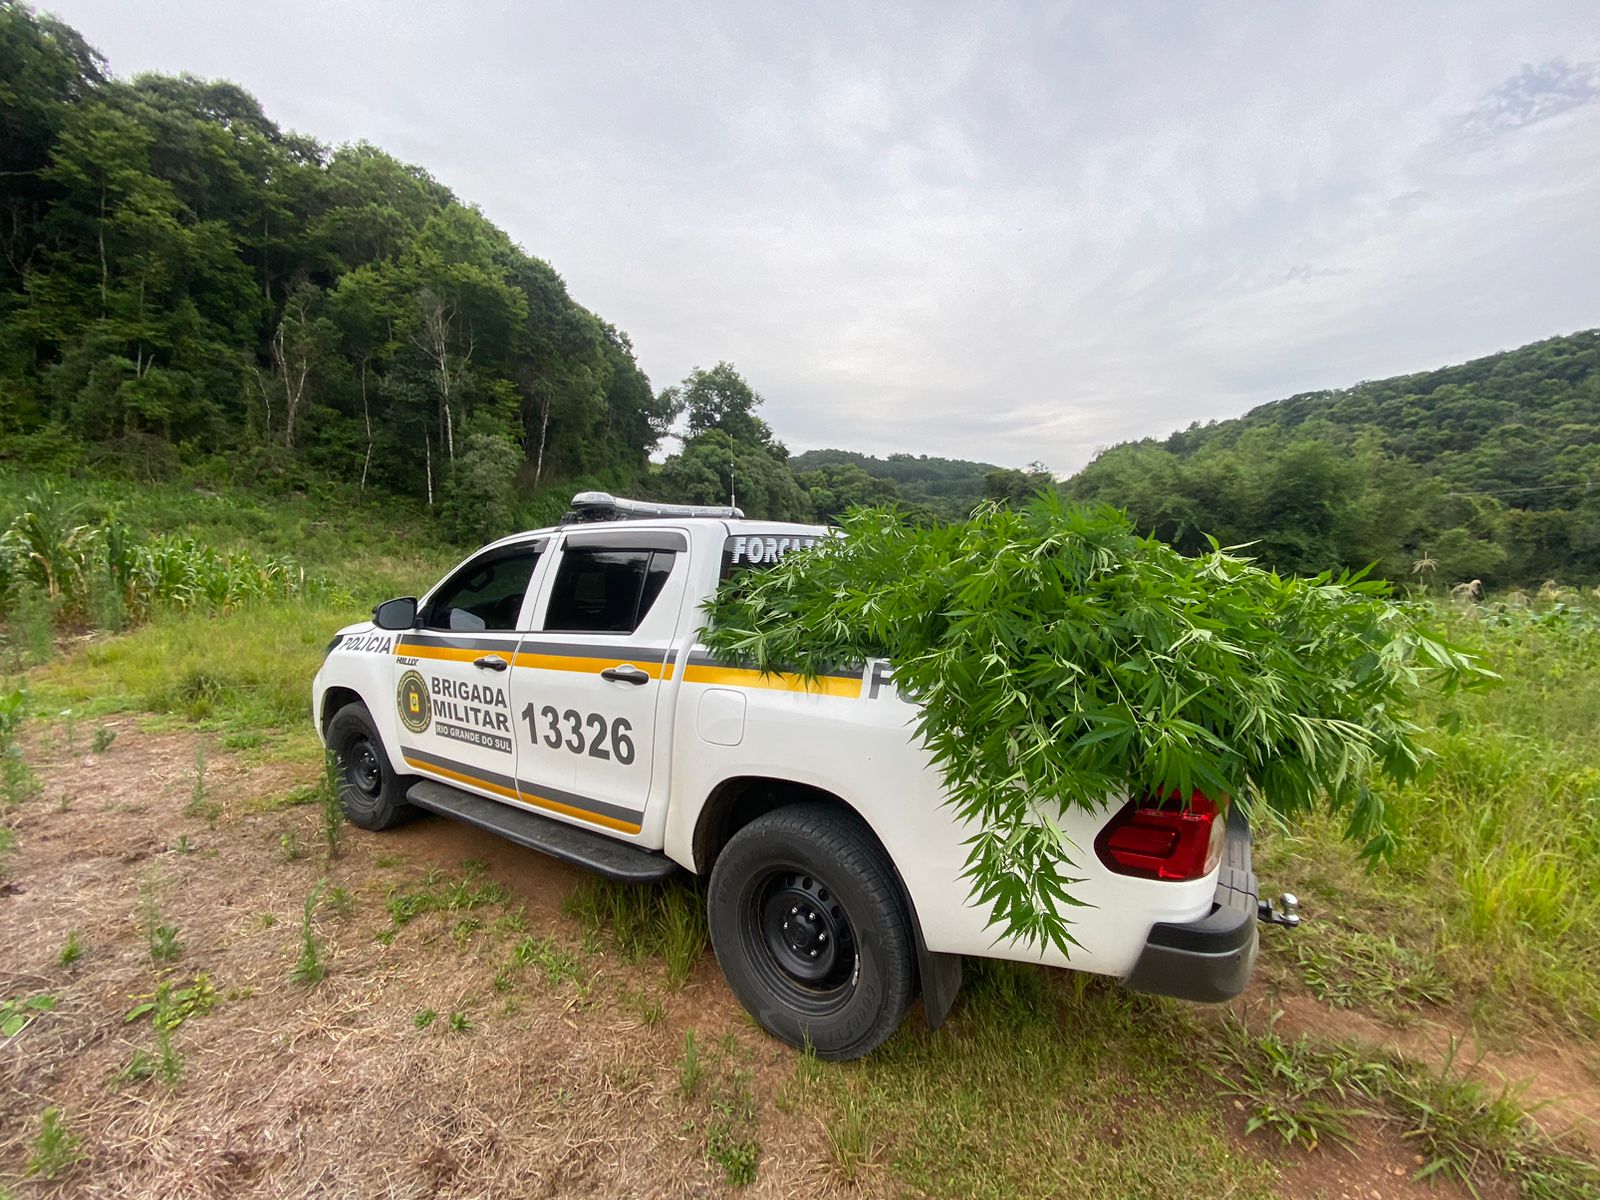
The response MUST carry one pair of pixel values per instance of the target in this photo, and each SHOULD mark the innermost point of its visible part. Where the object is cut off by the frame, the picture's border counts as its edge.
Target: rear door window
(601, 589)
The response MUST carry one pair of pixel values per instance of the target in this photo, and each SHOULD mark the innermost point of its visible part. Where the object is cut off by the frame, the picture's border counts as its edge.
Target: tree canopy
(1489, 470)
(184, 277)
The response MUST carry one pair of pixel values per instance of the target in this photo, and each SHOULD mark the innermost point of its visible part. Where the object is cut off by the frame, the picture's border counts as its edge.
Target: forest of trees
(184, 278)
(1487, 470)
(945, 487)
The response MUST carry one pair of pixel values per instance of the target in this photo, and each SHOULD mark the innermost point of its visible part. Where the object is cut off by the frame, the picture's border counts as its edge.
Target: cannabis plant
(1058, 659)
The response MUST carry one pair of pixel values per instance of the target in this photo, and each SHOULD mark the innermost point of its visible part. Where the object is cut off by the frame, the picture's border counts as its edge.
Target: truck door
(588, 681)
(453, 672)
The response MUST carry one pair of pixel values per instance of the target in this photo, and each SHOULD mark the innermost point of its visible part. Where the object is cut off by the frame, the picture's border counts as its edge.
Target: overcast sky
(1006, 232)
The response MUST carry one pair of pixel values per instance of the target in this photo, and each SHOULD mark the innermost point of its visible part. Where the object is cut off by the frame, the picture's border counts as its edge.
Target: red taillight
(1164, 839)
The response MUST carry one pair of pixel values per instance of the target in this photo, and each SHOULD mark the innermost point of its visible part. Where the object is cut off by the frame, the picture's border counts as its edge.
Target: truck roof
(602, 508)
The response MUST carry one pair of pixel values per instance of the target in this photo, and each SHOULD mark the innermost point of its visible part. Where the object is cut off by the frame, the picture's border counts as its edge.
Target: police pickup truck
(552, 689)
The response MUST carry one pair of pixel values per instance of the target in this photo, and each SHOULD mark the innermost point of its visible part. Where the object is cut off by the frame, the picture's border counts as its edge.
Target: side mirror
(396, 614)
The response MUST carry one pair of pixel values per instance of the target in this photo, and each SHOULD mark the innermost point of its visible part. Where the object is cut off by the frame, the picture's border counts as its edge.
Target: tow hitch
(1287, 913)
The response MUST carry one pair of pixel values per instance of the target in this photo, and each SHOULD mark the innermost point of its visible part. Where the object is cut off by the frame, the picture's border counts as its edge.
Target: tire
(370, 792)
(808, 926)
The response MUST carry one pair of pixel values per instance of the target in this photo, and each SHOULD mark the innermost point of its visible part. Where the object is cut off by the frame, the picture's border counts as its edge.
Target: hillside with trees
(947, 487)
(184, 278)
(1487, 470)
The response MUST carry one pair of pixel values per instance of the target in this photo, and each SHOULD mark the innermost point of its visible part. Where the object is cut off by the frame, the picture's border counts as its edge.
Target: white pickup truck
(552, 689)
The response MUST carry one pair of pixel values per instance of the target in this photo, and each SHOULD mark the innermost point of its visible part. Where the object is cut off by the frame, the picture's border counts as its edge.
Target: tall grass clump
(84, 569)
(660, 920)
(1504, 836)
(1058, 658)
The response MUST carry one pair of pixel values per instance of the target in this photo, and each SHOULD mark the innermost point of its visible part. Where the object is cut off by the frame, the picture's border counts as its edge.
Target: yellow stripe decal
(824, 685)
(529, 798)
(562, 662)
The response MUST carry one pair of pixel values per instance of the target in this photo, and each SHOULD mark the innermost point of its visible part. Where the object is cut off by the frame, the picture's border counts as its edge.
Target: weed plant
(30, 627)
(55, 1148)
(310, 967)
(161, 936)
(690, 1068)
(17, 1013)
(18, 783)
(331, 810)
(171, 1006)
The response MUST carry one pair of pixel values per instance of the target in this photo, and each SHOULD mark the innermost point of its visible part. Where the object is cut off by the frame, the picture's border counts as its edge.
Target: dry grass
(553, 1089)
(554, 1064)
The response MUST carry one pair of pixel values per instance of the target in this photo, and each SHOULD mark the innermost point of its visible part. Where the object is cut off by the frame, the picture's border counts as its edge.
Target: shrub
(477, 499)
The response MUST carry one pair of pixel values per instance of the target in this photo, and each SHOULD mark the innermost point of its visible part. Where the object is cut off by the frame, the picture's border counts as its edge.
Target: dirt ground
(288, 1089)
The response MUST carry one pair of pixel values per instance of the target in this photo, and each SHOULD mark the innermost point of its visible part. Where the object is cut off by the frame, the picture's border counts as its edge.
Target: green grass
(1352, 968)
(248, 670)
(1490, 896)
(664, 920)
(438, 892)
(1309, 1093)
(1040, 1085)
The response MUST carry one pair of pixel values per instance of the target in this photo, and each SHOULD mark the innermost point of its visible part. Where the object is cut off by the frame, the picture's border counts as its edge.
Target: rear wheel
(808, 926)
(370, 792)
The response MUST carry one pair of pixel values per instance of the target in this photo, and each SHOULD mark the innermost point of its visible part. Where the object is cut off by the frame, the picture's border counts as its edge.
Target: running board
(592, 851)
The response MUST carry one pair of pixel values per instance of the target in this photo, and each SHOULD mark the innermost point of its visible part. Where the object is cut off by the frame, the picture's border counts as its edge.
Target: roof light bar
(603, 506)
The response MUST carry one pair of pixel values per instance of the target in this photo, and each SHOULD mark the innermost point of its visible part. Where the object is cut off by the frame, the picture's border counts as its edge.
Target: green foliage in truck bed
(1060, 658)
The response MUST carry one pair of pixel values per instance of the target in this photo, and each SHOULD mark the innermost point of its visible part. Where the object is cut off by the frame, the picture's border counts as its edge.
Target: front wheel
(807, 923)
(370, 792)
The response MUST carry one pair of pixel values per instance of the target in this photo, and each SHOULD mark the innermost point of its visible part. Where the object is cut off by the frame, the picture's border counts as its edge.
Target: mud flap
(941, 980)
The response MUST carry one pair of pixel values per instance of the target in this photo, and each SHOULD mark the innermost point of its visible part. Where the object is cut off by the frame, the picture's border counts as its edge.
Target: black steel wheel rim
(800, 940)
(362, 769)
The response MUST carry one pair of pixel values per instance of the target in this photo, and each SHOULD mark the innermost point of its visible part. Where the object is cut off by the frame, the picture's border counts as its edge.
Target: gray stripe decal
(632, 816)
(505, 641)
(508, 640)
(698, 658)
(595, 650)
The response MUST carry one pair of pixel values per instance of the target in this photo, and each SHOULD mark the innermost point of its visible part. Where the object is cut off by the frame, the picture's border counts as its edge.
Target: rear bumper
(1211, 958)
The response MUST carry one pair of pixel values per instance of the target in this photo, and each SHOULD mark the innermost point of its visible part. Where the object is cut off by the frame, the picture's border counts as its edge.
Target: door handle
(491, 662)
(625, 674)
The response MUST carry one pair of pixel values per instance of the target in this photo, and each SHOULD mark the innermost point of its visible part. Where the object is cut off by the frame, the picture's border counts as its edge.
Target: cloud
(1532, 95)
(1007, 232)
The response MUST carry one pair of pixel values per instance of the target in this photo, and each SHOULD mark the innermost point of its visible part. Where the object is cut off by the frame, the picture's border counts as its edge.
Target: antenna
(733, 499)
